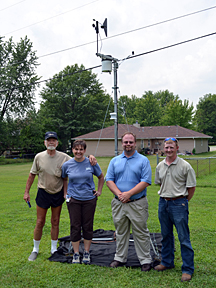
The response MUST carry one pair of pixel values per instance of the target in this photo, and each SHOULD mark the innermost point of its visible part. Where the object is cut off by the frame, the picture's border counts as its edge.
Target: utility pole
(107, 61)
(116, 106)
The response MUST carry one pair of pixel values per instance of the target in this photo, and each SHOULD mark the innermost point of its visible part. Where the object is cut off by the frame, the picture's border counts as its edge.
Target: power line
(161, 22)
(51, 17)
(130, 31)
(12, 5)
(169, 46)
(123, 33)
(56, 77)
(138, 55)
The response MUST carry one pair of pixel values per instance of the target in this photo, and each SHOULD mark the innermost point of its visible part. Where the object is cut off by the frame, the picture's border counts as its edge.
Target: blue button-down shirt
(127, 172)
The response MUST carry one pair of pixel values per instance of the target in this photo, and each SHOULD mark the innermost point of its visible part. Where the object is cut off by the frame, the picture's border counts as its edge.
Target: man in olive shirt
(177, 182)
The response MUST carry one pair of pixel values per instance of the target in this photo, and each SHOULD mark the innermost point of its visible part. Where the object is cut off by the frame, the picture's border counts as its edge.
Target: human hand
(92, 160)
(124, 197)
(97, 193)
(26, 197)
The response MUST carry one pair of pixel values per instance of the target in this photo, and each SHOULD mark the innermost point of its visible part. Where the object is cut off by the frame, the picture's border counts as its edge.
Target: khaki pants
(133, 214)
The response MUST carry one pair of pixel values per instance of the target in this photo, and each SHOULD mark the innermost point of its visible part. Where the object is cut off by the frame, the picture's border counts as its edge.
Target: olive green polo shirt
(174, 179)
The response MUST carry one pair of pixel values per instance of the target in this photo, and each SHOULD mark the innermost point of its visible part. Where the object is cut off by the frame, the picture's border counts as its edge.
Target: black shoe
(146, 267)
(115, 264)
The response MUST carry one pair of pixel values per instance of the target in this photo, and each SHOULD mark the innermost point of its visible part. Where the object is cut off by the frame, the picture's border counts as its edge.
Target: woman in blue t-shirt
(81, 198)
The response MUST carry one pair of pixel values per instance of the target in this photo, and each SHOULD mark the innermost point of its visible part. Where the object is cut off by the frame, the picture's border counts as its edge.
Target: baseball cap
(51, 134)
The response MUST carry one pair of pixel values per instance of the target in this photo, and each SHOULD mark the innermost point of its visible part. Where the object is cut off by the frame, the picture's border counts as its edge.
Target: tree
(164, 97)
(76, 104)
(126, 109)
(9, 134)
(205, 117)
(179, 113)
(32, 133)
(18, 77)
(147, 110)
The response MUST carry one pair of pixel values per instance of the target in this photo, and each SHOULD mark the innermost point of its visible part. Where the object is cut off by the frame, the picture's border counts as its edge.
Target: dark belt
(132, 199)
(175, 198)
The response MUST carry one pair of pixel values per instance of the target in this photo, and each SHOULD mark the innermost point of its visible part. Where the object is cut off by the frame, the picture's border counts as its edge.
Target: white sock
(36, 245)
(53, 246)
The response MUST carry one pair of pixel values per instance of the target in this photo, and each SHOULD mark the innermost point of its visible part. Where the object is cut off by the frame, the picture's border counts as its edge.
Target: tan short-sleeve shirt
(48, 169)
(174, 178)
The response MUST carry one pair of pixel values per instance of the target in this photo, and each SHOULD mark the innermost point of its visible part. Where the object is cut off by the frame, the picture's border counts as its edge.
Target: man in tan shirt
(177, 182)
(47, 165)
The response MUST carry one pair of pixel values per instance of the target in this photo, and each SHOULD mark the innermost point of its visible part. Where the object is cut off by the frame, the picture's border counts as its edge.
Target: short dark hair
(128, 133)
(81, 143)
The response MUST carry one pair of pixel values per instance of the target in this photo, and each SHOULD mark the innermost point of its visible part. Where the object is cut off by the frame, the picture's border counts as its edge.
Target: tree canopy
(154, 109)
(18, 63)
(74, 103)
(205, 116)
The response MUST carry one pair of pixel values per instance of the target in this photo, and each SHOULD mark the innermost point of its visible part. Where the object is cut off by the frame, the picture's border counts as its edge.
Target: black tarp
(103, 248)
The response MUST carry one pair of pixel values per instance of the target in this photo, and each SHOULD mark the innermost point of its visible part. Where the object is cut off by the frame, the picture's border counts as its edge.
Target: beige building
(102, 142)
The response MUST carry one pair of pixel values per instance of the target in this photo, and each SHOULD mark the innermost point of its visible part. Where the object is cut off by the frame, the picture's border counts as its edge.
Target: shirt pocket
(58, 172)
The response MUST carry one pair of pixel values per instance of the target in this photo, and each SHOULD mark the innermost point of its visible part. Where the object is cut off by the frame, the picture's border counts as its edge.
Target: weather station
(107, 63)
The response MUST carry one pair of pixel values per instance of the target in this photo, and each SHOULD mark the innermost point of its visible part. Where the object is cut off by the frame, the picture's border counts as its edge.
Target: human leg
(76, 246)
(122, 226)
(137, 212)
(180, 218)
(55, 219)
(167, 252)
(87, 245)
(41, 218)
(74, 210)
(88, 210)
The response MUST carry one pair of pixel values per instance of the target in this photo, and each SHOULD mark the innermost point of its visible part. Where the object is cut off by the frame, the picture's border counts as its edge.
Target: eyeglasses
(128, 142)
(171, 138)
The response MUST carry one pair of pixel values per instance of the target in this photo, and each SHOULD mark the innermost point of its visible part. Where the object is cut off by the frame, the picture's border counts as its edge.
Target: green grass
(17, 224)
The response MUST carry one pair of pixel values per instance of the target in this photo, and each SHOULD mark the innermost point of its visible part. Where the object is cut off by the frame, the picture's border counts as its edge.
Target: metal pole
(116, 106)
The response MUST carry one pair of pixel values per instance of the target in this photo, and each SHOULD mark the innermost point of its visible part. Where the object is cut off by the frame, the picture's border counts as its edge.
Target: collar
(134, 155)
(173, 163)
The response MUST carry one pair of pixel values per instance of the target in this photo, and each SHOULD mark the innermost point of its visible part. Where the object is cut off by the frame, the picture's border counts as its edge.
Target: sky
(62, 34)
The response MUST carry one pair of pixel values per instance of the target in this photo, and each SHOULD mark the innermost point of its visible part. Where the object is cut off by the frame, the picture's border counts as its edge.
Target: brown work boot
(161, 267)
(185, 277)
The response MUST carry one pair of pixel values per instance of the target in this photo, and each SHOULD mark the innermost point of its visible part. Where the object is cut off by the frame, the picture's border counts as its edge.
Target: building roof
(154, 132)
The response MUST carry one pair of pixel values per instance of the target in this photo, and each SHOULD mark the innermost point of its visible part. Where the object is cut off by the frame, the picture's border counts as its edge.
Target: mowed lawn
(17, 222)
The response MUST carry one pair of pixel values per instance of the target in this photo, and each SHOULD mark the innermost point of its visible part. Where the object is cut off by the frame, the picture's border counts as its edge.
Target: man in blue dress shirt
(128, 177)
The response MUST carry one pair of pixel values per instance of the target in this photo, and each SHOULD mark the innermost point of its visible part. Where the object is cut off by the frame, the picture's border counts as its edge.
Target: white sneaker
(76, 258)
(86, 258)
(33, 256)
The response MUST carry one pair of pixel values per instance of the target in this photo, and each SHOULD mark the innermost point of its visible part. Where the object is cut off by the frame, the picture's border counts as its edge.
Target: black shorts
(45, 200)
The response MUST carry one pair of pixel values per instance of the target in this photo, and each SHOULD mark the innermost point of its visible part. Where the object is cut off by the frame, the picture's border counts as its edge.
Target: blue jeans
(175, 212)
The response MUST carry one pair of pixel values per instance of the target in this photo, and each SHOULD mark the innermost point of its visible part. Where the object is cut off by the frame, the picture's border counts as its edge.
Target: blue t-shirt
(80, 175)
(126, 172)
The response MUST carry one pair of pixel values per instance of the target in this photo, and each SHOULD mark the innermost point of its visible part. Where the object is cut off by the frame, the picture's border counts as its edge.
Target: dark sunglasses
(171, 138)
